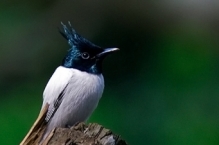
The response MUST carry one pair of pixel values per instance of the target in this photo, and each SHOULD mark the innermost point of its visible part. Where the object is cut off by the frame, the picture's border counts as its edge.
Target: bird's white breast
(81, 94)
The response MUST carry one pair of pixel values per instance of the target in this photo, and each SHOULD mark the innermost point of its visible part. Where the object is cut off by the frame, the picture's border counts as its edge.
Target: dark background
(161, 88)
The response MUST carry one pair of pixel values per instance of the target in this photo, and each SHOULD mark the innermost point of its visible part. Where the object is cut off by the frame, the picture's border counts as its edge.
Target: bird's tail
(35, 133)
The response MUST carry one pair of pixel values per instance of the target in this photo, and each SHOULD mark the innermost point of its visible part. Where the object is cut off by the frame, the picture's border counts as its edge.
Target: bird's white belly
(80, 98)
(83, 99)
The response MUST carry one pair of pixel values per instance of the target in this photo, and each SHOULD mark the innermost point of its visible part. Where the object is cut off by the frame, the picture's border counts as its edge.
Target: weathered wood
(79, 134)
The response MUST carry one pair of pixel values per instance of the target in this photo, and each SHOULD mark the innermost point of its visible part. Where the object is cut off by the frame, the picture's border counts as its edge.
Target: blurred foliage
(161, 88)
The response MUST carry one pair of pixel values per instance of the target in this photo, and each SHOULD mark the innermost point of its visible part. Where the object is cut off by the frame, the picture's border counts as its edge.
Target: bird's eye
(85, 55)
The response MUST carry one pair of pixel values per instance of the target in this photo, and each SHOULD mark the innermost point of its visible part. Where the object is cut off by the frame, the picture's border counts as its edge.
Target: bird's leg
(68, 126)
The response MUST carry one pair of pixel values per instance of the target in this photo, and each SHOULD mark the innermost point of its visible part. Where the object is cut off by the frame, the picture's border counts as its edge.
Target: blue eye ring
(85, 55)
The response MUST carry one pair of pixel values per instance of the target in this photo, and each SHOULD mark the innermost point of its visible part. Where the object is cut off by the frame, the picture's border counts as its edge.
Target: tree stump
(79, 134)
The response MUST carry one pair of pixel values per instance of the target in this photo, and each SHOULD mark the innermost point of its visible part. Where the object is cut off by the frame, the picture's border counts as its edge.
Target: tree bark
(79, 134)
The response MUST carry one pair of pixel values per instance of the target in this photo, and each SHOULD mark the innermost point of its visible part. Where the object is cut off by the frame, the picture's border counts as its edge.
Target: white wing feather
(56, 85)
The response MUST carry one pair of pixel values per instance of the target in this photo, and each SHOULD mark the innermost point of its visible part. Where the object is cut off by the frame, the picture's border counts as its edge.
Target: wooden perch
(79, 134)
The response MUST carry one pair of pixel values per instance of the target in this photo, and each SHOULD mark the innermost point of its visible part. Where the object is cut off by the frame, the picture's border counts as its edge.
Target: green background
(161, 88)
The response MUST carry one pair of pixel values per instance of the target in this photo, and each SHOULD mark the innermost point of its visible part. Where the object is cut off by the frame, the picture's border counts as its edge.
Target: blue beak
(106, 52)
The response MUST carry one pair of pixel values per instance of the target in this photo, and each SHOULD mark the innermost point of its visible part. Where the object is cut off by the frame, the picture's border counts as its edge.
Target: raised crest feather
(74, 39)
(69, 34)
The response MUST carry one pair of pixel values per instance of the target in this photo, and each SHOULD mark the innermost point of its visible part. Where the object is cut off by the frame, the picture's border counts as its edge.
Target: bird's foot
(68, 126)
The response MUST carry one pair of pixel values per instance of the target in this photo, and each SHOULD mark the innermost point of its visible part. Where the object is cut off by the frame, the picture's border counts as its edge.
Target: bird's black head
(83, 55)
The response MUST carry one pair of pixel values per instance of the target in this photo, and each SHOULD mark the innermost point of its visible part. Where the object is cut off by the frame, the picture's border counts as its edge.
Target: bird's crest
(74, 39)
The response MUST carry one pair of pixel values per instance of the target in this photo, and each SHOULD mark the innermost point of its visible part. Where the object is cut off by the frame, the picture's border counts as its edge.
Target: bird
(76, 86)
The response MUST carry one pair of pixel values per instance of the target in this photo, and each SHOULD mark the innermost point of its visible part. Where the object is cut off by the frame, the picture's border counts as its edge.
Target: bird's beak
(107, 51)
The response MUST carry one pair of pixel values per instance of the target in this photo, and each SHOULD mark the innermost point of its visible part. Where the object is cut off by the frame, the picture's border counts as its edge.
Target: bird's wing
(53, 93)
